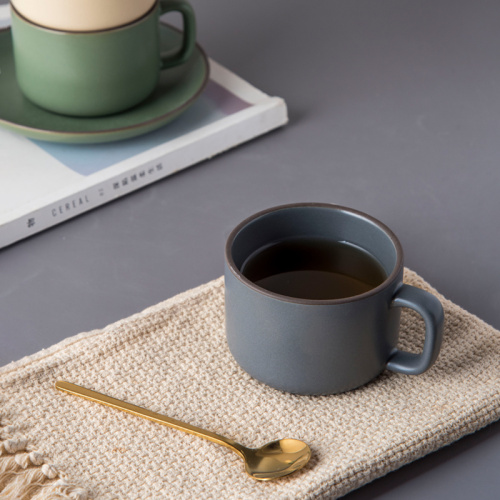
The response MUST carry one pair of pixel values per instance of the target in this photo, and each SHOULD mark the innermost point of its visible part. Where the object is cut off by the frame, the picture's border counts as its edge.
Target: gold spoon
(271, 461)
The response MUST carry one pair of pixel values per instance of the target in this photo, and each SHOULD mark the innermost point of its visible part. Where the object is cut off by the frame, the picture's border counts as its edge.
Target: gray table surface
(394, 110)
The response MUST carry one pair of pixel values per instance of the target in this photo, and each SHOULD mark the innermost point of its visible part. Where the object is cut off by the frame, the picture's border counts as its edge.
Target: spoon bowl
(276, 459)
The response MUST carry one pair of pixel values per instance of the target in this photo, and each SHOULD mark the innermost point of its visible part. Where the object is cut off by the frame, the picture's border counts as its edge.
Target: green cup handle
(431, 311)
(189, 37)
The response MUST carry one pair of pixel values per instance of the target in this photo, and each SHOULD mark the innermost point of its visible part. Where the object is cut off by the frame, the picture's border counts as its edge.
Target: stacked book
(44, 183)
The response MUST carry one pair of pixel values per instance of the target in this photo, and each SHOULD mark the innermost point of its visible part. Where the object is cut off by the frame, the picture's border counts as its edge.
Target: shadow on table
(437, 460)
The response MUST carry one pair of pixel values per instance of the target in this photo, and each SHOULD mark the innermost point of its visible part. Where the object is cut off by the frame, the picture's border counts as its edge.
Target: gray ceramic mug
(327, 346)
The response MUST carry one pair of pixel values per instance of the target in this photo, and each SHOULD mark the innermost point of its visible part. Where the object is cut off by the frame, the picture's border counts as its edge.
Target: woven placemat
(173, 358)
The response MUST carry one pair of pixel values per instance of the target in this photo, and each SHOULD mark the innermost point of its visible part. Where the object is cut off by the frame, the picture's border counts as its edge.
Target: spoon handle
(97, 397)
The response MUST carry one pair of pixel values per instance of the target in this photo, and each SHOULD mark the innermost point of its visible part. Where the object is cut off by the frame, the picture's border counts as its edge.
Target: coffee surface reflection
(314, 268)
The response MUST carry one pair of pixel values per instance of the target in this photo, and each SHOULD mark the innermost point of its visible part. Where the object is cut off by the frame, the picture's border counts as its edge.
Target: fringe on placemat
(25, 475)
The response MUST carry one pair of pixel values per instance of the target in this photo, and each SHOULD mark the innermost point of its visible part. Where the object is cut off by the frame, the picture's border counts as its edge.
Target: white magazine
(45, 183)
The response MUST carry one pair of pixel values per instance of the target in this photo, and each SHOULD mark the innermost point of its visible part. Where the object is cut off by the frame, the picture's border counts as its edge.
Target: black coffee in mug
(314, 268)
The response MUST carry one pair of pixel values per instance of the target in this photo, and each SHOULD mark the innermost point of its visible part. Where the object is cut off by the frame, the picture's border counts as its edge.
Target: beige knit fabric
(173, 359)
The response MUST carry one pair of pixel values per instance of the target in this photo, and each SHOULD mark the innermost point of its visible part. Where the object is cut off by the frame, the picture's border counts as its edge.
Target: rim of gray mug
(393, 275)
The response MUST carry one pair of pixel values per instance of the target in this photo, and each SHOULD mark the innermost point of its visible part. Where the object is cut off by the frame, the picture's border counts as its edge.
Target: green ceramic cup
(96, 73)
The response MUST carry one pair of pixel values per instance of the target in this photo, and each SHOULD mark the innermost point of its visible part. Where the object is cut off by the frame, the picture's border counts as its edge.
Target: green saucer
(177, 90)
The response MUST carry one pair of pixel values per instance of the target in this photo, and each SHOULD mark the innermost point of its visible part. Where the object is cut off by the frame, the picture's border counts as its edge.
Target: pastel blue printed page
(215, 103)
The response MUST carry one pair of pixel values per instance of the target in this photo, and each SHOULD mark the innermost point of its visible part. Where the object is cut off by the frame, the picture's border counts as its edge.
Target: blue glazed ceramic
(315, 347)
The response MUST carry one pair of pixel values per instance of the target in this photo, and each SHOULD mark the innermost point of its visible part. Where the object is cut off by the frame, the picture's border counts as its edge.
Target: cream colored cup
(82, 15)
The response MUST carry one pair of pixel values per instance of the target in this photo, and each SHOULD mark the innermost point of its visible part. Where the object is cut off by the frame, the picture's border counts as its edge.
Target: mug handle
(189, 35)
(431, 311)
